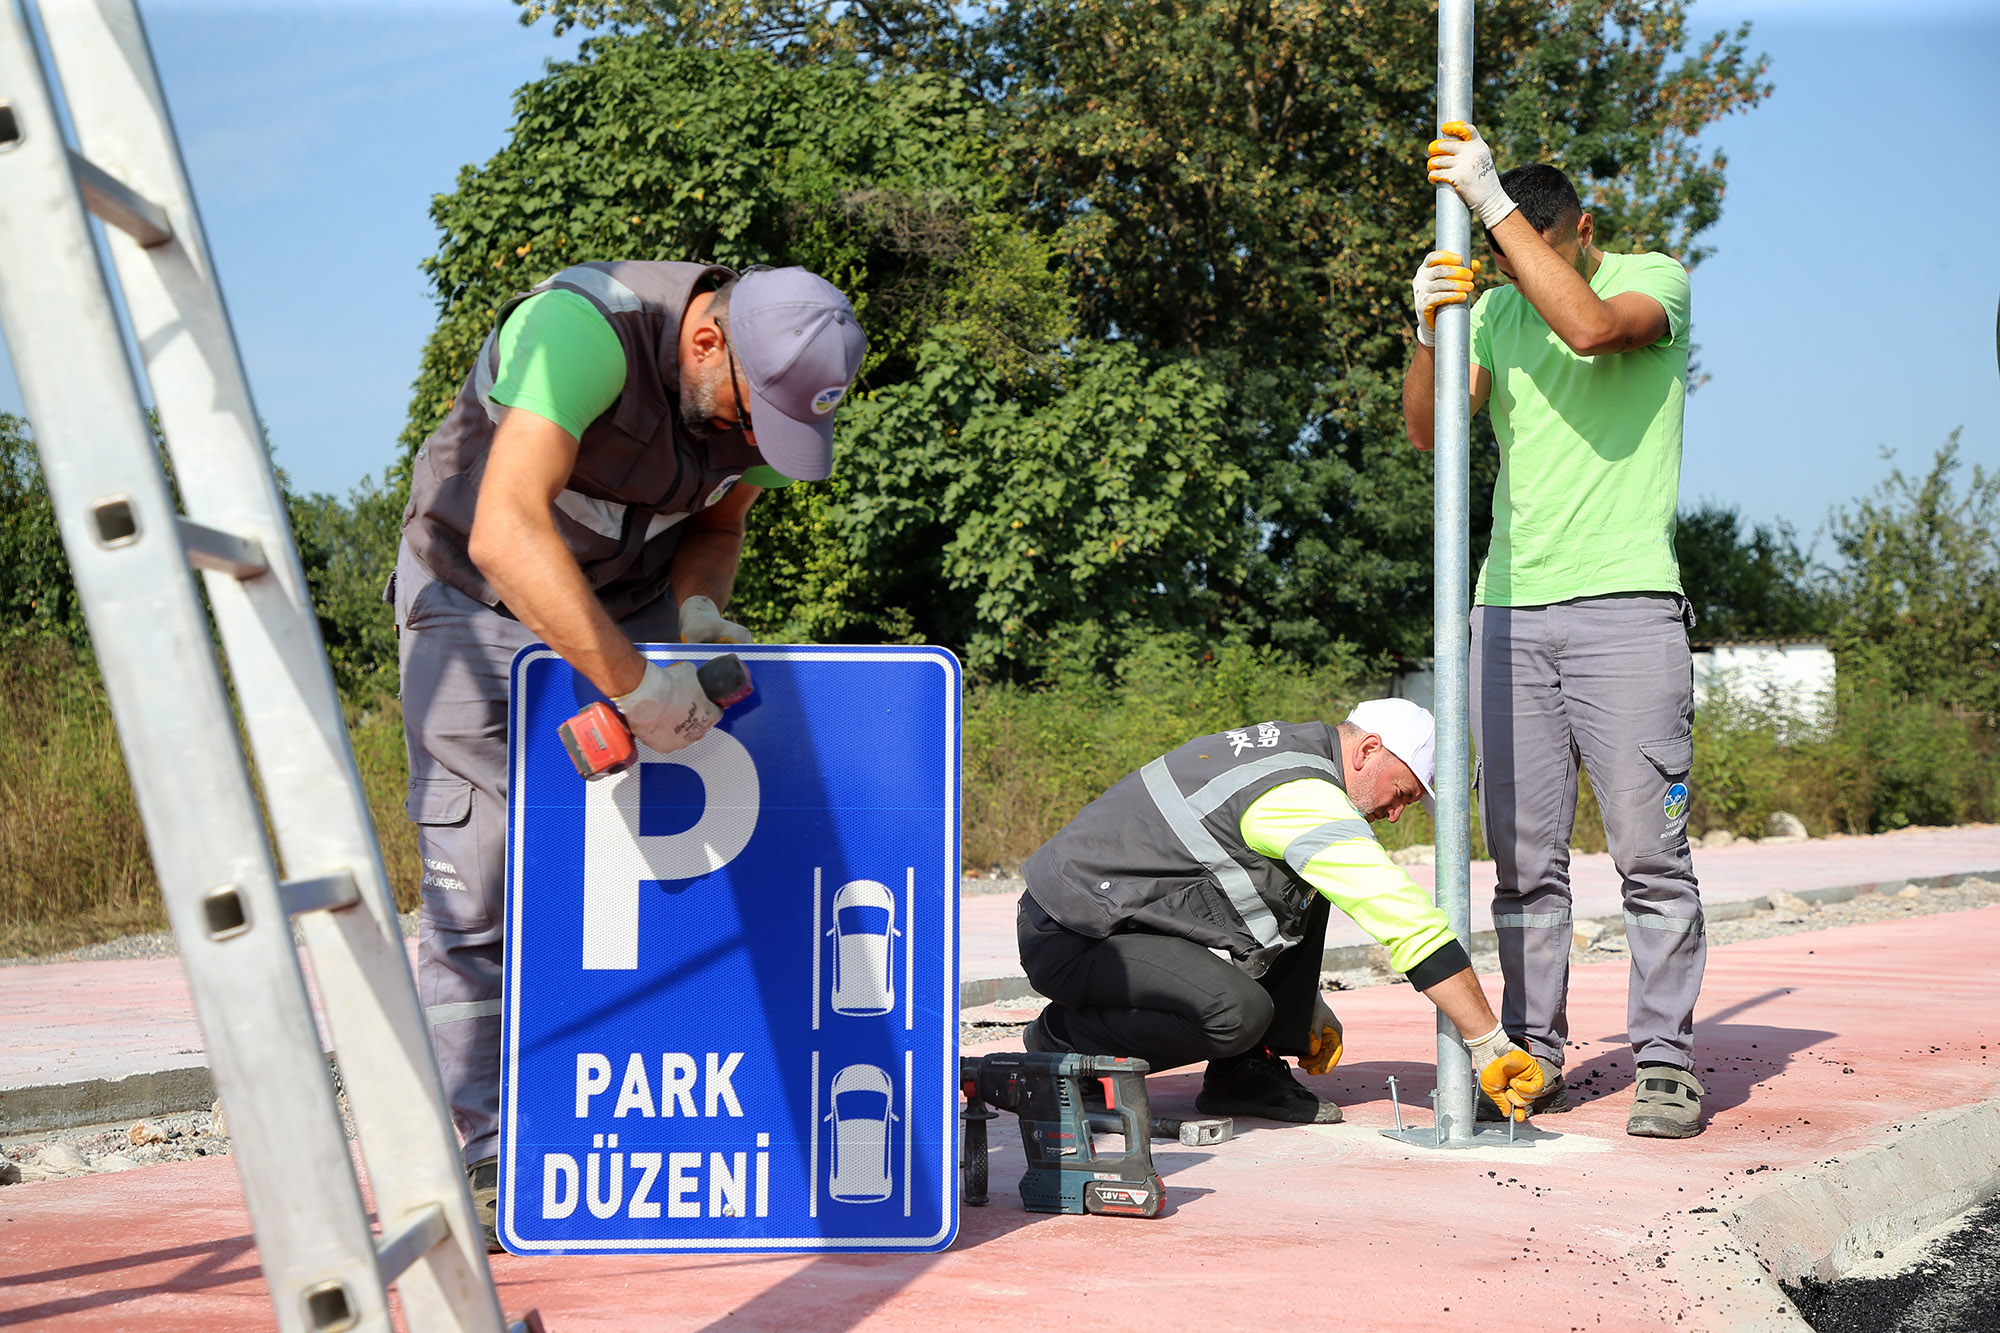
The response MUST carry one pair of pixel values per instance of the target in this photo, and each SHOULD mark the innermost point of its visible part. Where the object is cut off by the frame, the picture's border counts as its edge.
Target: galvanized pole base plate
(1426, 1136)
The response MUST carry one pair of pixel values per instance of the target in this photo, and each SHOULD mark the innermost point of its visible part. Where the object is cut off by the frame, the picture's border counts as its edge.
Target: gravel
(90, 1151)
(198, 1134)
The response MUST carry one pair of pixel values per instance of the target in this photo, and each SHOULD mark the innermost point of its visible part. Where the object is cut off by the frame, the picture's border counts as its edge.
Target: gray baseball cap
(800, 347)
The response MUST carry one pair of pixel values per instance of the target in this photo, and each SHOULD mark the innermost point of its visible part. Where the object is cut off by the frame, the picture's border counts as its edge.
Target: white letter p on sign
(617, 858)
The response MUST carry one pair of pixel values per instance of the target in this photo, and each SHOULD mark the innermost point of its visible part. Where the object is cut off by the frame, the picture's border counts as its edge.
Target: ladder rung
(223, 552)
(410, 1242)
(120, 205)
(325, 893)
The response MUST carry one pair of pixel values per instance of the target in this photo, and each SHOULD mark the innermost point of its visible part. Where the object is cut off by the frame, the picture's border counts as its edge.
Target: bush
(1888, 761)
(1035, 755)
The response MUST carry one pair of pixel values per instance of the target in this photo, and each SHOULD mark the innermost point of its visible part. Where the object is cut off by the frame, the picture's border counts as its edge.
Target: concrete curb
(102, 1101)
(1821, 1222)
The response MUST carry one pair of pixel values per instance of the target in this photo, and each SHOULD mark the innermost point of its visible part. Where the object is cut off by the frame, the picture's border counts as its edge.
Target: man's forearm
(540, 582)
(1419, 396)
(705, 565)
(1559, 294)
(1460, 998)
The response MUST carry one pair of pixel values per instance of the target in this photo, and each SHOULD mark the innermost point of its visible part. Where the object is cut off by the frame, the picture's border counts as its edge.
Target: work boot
(484, 1178)
(1258, 1083)
(1038, 1038)
(1554, 1096)
(1666, 1103)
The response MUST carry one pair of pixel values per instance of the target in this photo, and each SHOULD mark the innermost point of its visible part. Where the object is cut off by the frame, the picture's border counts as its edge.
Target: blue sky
(1849, 305)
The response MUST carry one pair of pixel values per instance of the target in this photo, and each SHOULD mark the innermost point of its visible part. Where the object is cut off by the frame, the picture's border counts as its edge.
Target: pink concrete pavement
(1727, 874)
(68, 1022)
(65, 1022)
(1811, 1046)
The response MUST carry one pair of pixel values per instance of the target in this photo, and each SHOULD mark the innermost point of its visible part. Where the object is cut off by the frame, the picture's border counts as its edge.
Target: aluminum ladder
(231, 905)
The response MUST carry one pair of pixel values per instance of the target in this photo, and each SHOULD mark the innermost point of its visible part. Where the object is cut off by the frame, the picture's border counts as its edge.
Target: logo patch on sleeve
(721, 490)
(1676, 801)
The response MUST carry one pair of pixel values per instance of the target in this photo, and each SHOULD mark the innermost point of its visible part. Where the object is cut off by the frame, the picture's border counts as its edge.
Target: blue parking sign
(731, 1014)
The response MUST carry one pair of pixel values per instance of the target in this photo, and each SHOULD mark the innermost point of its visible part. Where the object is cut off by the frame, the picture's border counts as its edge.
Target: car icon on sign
(864, 922)
(861, 1116)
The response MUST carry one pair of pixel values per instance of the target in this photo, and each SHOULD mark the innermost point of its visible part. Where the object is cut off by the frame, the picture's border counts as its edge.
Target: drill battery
(1061, 1099)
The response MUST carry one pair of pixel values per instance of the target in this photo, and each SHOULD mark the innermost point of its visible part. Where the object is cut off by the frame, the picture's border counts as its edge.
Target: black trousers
(1166, 1000)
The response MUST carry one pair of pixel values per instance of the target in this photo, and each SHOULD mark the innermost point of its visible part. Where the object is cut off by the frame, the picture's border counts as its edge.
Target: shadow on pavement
(1730, 1058)
(208, 1270)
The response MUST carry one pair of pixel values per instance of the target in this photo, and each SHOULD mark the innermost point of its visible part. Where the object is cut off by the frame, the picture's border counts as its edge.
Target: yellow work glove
(1323, 1046)
(1442, 279)
(702, 623)
(1460, 158)
(1507, 1074)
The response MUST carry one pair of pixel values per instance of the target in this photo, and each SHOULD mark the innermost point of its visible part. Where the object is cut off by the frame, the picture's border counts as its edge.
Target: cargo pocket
(454, 887)
(1672, 759)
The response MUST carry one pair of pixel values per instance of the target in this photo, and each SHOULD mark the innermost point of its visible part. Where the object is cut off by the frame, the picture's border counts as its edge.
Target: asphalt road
(1953, 1287)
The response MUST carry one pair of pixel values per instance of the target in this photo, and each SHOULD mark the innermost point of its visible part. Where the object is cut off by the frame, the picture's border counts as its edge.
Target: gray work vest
(1163, 850)
(639, 474)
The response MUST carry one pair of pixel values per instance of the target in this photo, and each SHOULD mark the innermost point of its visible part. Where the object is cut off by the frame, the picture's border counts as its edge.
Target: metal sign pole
(1453, 485)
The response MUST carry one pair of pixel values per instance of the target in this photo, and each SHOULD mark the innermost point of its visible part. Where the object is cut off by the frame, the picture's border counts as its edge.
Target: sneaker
(1262, 1086)
(1036, 1037)
(484, 1178)
(1554, 1097)
(1666, 1104)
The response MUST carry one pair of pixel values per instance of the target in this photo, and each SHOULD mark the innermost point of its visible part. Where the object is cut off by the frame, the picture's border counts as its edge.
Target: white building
(1792, 678)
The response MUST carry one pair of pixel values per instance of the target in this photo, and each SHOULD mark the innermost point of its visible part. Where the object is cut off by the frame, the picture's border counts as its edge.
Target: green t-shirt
(1590, 446)
(560, 359)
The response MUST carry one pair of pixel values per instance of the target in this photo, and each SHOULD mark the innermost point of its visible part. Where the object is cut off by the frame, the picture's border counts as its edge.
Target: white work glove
(1506, 1073)
(1460, 158)
(1324, 1039)
(702, 623)
(1442, 279)
(668, 710)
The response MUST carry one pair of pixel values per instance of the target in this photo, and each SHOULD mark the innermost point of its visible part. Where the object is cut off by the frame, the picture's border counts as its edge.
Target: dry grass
(73, 860)
(74, 866)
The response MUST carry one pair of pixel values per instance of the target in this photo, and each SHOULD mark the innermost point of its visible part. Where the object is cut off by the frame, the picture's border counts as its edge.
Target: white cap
(1408, 731)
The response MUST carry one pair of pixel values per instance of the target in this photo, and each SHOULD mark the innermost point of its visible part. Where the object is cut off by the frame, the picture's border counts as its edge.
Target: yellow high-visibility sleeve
(1312, 827)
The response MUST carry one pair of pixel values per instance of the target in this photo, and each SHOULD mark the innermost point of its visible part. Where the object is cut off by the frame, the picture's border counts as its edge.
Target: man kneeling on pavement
(1182, 915)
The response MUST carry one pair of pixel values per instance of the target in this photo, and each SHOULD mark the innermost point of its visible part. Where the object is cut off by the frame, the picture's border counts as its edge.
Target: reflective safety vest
(639, 474)
(1163, 851)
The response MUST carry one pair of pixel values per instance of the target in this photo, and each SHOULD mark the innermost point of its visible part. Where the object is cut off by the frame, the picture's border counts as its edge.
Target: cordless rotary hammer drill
(1062, 1100)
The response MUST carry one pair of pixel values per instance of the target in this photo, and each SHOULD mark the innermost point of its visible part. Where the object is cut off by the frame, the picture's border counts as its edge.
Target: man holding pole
(1579, 650)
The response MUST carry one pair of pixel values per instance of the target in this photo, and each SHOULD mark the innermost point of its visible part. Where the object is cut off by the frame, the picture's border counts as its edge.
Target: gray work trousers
(455, 653)
(1606, 682)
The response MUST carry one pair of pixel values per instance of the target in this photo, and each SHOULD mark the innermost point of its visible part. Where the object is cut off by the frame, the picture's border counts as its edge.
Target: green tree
(1099, 494)
(37, 595)
(1919, 586)
(645, 149)
(1243, 181)
(1758, 584)
(348, 549)
(976, 400)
